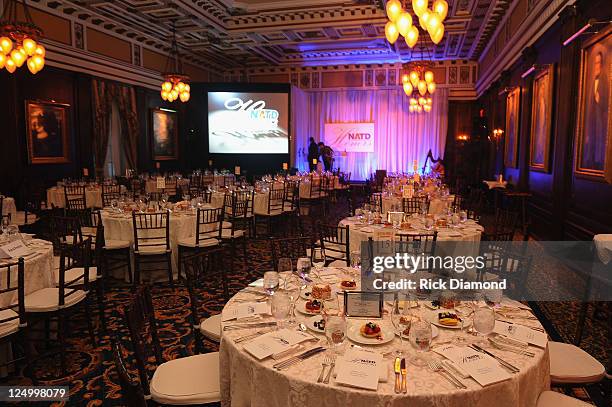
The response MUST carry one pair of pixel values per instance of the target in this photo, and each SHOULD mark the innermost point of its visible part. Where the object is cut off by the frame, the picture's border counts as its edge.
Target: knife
(233, 327)
(397, 368)
(404, 372)
(298, 358)
(508, 366)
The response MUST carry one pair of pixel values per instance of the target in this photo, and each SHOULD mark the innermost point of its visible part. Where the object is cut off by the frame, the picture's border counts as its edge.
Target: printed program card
(247, 309)
(359, 368)
(14, 249)
(275, 342)
(521, 333)
(483, 368)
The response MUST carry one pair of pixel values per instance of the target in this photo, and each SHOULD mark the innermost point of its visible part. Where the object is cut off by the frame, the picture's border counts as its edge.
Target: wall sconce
(462, 137)
(497, 133)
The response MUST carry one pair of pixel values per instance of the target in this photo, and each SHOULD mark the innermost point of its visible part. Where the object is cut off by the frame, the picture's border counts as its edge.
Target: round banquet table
(437, 206)
(470, 231)
(151, 184)
(38, 270)
(9, 208)
(260, 201)
(56, 197)
(245, 381)
(119, 226)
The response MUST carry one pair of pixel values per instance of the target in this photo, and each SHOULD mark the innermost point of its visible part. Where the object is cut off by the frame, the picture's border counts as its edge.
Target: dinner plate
(300, 306)
(310, 324)
(354, 334)
(434, 332)
(433, 318)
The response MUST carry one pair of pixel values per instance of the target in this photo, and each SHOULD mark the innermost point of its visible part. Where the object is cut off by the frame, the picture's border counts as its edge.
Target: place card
(483, 368)
(14, 249)
(359, 368)
(244, 310)
(275, 342)
(521, 333)
(363, 304)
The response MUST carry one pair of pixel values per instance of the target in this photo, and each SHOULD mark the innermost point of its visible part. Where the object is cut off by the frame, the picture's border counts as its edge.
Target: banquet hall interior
(207, 202)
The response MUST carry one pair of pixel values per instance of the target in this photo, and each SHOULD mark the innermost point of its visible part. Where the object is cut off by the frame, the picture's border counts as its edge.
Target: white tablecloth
(496, 184)
(9, 208)
(151, 184)
(260, 201)
(38, 270)
(603, 244)
(120, 227)
(437, 206)
(56, 197)
(248, 382)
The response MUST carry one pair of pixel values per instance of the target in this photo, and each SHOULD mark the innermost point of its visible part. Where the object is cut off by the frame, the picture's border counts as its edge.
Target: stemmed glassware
(318, 257)
(420, 339)
(335, 331)
(271, 282)
(280, 306)
(303, 268)
(356, 262)
(401, 319)
(484, 322)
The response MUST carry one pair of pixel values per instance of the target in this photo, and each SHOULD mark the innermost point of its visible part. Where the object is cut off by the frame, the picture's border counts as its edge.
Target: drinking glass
(429, 222)
(303, 267)
(292, 287)
(462, 216)
(356, 261)
(318, 257)
(284, 264)
(5, 225)
(114, 203)
(270, 282)
(484, 322)
(401, 320)
(420, 339)
(335, 331)
(279, 307)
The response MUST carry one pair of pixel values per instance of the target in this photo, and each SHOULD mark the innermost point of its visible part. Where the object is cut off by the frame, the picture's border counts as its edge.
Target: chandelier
(418, 83)
(400, 21)
(175, 84)
(18, 40)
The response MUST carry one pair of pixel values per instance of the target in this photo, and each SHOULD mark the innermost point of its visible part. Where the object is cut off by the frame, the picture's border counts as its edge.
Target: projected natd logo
(350, 137)
(251, 110)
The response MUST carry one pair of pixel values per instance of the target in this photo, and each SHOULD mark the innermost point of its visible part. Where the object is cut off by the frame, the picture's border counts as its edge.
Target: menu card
(363, 304)
(275, 342)
(482, 367)
(328, 275)
(521, 333)
(14, 249)
(245, 310)
(359, 368)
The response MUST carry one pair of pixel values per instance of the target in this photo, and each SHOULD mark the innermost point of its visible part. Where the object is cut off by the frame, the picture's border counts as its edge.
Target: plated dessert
(313, 306)
(370, 330)
(448, 319)
(321, 292)
(348, 284)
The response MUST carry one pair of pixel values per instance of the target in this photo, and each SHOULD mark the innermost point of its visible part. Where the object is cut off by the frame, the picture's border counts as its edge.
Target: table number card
(161, 183)
(363, 304)
(14, 249)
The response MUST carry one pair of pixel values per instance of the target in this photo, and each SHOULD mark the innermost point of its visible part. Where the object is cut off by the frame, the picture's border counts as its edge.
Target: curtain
(400, 137)
(104, 92)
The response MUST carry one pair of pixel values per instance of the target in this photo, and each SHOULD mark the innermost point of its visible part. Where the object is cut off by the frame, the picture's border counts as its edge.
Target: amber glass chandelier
(175, 85)
(418, 83)
(430, 20)
(19, 39)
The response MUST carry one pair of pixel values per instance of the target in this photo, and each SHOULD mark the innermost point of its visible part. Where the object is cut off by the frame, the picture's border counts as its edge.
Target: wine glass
(356, 261)
(280, 307)
(335, 331)
(284, 265)
(420, 339)
(462, 216)
(270, 282)
(401, 319)
(292, 287)
(5, 224)
(484, 322)
(318, 257)
(303, 268)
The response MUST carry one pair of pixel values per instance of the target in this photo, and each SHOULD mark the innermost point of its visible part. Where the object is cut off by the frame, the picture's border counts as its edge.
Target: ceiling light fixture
(430, 20)
(19, 39)
(175, 85)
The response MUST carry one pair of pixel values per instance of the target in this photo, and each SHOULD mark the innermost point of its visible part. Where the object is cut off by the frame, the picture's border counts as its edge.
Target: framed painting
(541, 120)
(513, 102)
(164, 128)
(47, 132)
(593, 126)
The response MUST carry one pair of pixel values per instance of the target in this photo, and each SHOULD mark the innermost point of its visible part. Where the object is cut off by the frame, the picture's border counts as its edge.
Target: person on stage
(327, 154)
(313, 154)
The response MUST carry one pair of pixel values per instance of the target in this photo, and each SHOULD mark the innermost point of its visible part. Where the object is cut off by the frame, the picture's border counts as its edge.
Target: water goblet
(318, 257)
(303, 268)
(484, 322)
(271, 282)
(335, 331)
(401, 320)
(420, 339)
(279, 307)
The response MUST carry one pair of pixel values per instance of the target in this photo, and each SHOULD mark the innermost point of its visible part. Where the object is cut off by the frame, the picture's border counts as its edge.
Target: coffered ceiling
(226, 34)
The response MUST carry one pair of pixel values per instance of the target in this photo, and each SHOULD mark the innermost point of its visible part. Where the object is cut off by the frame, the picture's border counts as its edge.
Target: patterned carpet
(92, 379)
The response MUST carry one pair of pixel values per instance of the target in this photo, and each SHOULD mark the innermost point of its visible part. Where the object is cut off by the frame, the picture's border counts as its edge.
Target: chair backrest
(292, 195)
(151, 231)
(292, 247)
(12, 291)
(110, 192)
(65, 229)
(334, 241)
(137, 186)
(413, 205)
(140, 320)
(229, 180)
(457, 204)
(506, 224)
(423, 244)
(208, 179)
(209, 226)
(74, 192)
(376, 202)
(76, 204)
(315, 187)
(77, 255)
(276, 201)
(131, 391)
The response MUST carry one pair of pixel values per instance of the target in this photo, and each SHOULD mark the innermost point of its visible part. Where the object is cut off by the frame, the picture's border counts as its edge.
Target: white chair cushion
(553, 399)
(211, 327)
(227, 234)
(8, 327)
(191, 242)
(337, 263)
(47, 299)
(89, 231)
(76, 272)
(189, 380)
(570, 364)
(116, 244)
(152, 250)
(273, 212)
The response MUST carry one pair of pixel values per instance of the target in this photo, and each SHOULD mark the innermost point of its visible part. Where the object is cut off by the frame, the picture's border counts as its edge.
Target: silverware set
(510, 348)
(298, 358)
(245, 338)
(237, 326)
(508, 366)
(328, 361)
(399, 366)
(436, 366)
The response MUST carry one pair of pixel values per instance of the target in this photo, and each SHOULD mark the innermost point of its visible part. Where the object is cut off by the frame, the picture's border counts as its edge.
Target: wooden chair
(209, 226)
(375, 202)
(291, 206)
(152, 242)
(110, 193)
(131, 391)
(334, 242)
(200, 270)
(504, 226)
(423, 244)
(13, 323)
(75, 197)
(186, 380)
(275, 208)
(414, 205)
(239, 222)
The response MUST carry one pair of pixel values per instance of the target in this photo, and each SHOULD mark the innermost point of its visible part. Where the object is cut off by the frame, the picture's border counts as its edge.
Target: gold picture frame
(47, 132)
(164, 134)
(593, 149)
(541, 120)
(513, 107)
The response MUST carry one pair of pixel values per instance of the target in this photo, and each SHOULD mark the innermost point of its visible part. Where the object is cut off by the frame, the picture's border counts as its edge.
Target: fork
(331, 369)
(436, 366)
(326, 362)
